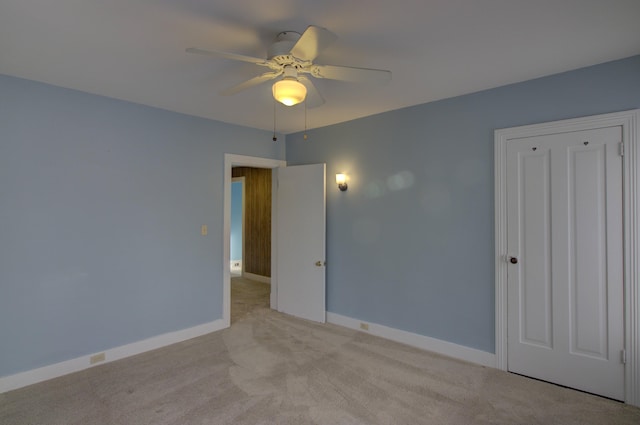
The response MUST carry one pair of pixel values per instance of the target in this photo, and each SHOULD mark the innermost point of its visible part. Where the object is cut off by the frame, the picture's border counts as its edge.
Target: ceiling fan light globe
(289, 91)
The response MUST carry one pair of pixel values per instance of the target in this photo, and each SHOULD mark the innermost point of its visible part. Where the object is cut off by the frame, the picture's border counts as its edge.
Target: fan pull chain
(305, 121)
(275, 139)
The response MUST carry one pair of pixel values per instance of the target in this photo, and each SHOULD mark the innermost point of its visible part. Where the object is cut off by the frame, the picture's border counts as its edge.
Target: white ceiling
(135, 49)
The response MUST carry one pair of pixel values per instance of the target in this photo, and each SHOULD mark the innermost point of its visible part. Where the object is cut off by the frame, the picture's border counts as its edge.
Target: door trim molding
(230, 161)
(629, 121)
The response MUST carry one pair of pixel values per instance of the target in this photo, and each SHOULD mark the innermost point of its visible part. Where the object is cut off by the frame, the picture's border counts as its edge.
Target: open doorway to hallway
(250, 240)
(231, 161)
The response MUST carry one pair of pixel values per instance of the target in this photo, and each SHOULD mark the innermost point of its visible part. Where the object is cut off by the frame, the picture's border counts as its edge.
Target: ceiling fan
(290, 60)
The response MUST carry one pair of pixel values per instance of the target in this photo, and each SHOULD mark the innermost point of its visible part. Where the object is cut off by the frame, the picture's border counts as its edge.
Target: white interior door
(565, 277)
(301, 241)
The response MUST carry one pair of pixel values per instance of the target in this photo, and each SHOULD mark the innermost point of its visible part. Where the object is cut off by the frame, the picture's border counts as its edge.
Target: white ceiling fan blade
(233, 56)
(250, 83)
(355, 75)
(313, 41)
(314, 98)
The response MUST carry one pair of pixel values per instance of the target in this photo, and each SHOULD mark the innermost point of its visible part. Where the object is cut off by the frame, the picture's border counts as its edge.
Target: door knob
(513, 260)
(320, 263)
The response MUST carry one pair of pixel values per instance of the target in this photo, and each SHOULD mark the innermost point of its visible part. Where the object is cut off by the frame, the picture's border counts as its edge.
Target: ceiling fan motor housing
(280, 50)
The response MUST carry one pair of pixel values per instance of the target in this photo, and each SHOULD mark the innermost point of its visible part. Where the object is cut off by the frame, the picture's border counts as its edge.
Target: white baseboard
(22, 379)
(257, 277)
(439, 346)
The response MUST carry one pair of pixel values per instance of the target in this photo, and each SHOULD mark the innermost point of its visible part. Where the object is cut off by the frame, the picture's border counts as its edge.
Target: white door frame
(230, 161)
(629, 121)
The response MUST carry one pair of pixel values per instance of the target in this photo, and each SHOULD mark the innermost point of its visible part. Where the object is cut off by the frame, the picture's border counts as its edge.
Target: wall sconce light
(341, 179)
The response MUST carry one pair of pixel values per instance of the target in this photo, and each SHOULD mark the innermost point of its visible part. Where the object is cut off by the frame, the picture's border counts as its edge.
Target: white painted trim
(629, 120)
(232, 160)
(22, 379)
(439, 346)
(257, 277)
(273, 301)
(631, 185)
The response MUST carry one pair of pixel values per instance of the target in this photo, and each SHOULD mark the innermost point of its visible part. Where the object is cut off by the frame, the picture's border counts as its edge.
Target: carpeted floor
(270, 368)
(247, 295)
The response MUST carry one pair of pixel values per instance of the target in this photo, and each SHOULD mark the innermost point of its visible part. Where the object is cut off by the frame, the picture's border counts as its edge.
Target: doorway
(231, 161)
(237, 225)
(250, 240)
(560, 316)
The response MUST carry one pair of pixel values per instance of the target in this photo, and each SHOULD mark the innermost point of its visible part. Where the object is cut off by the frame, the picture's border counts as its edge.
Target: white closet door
(565, 278)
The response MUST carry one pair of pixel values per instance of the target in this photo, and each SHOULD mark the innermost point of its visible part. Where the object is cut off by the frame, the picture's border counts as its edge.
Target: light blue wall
(410, 245)
(101, 203)
(236, 221)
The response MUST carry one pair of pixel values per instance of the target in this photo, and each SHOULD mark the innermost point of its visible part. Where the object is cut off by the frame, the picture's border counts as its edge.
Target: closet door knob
(513, 260)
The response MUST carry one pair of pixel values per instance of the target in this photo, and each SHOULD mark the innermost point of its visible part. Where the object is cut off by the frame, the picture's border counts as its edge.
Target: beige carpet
(247, 295)
(269, 368)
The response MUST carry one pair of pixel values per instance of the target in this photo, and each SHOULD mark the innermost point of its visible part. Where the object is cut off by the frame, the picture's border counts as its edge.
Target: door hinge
(621, 148)
(623, 356)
